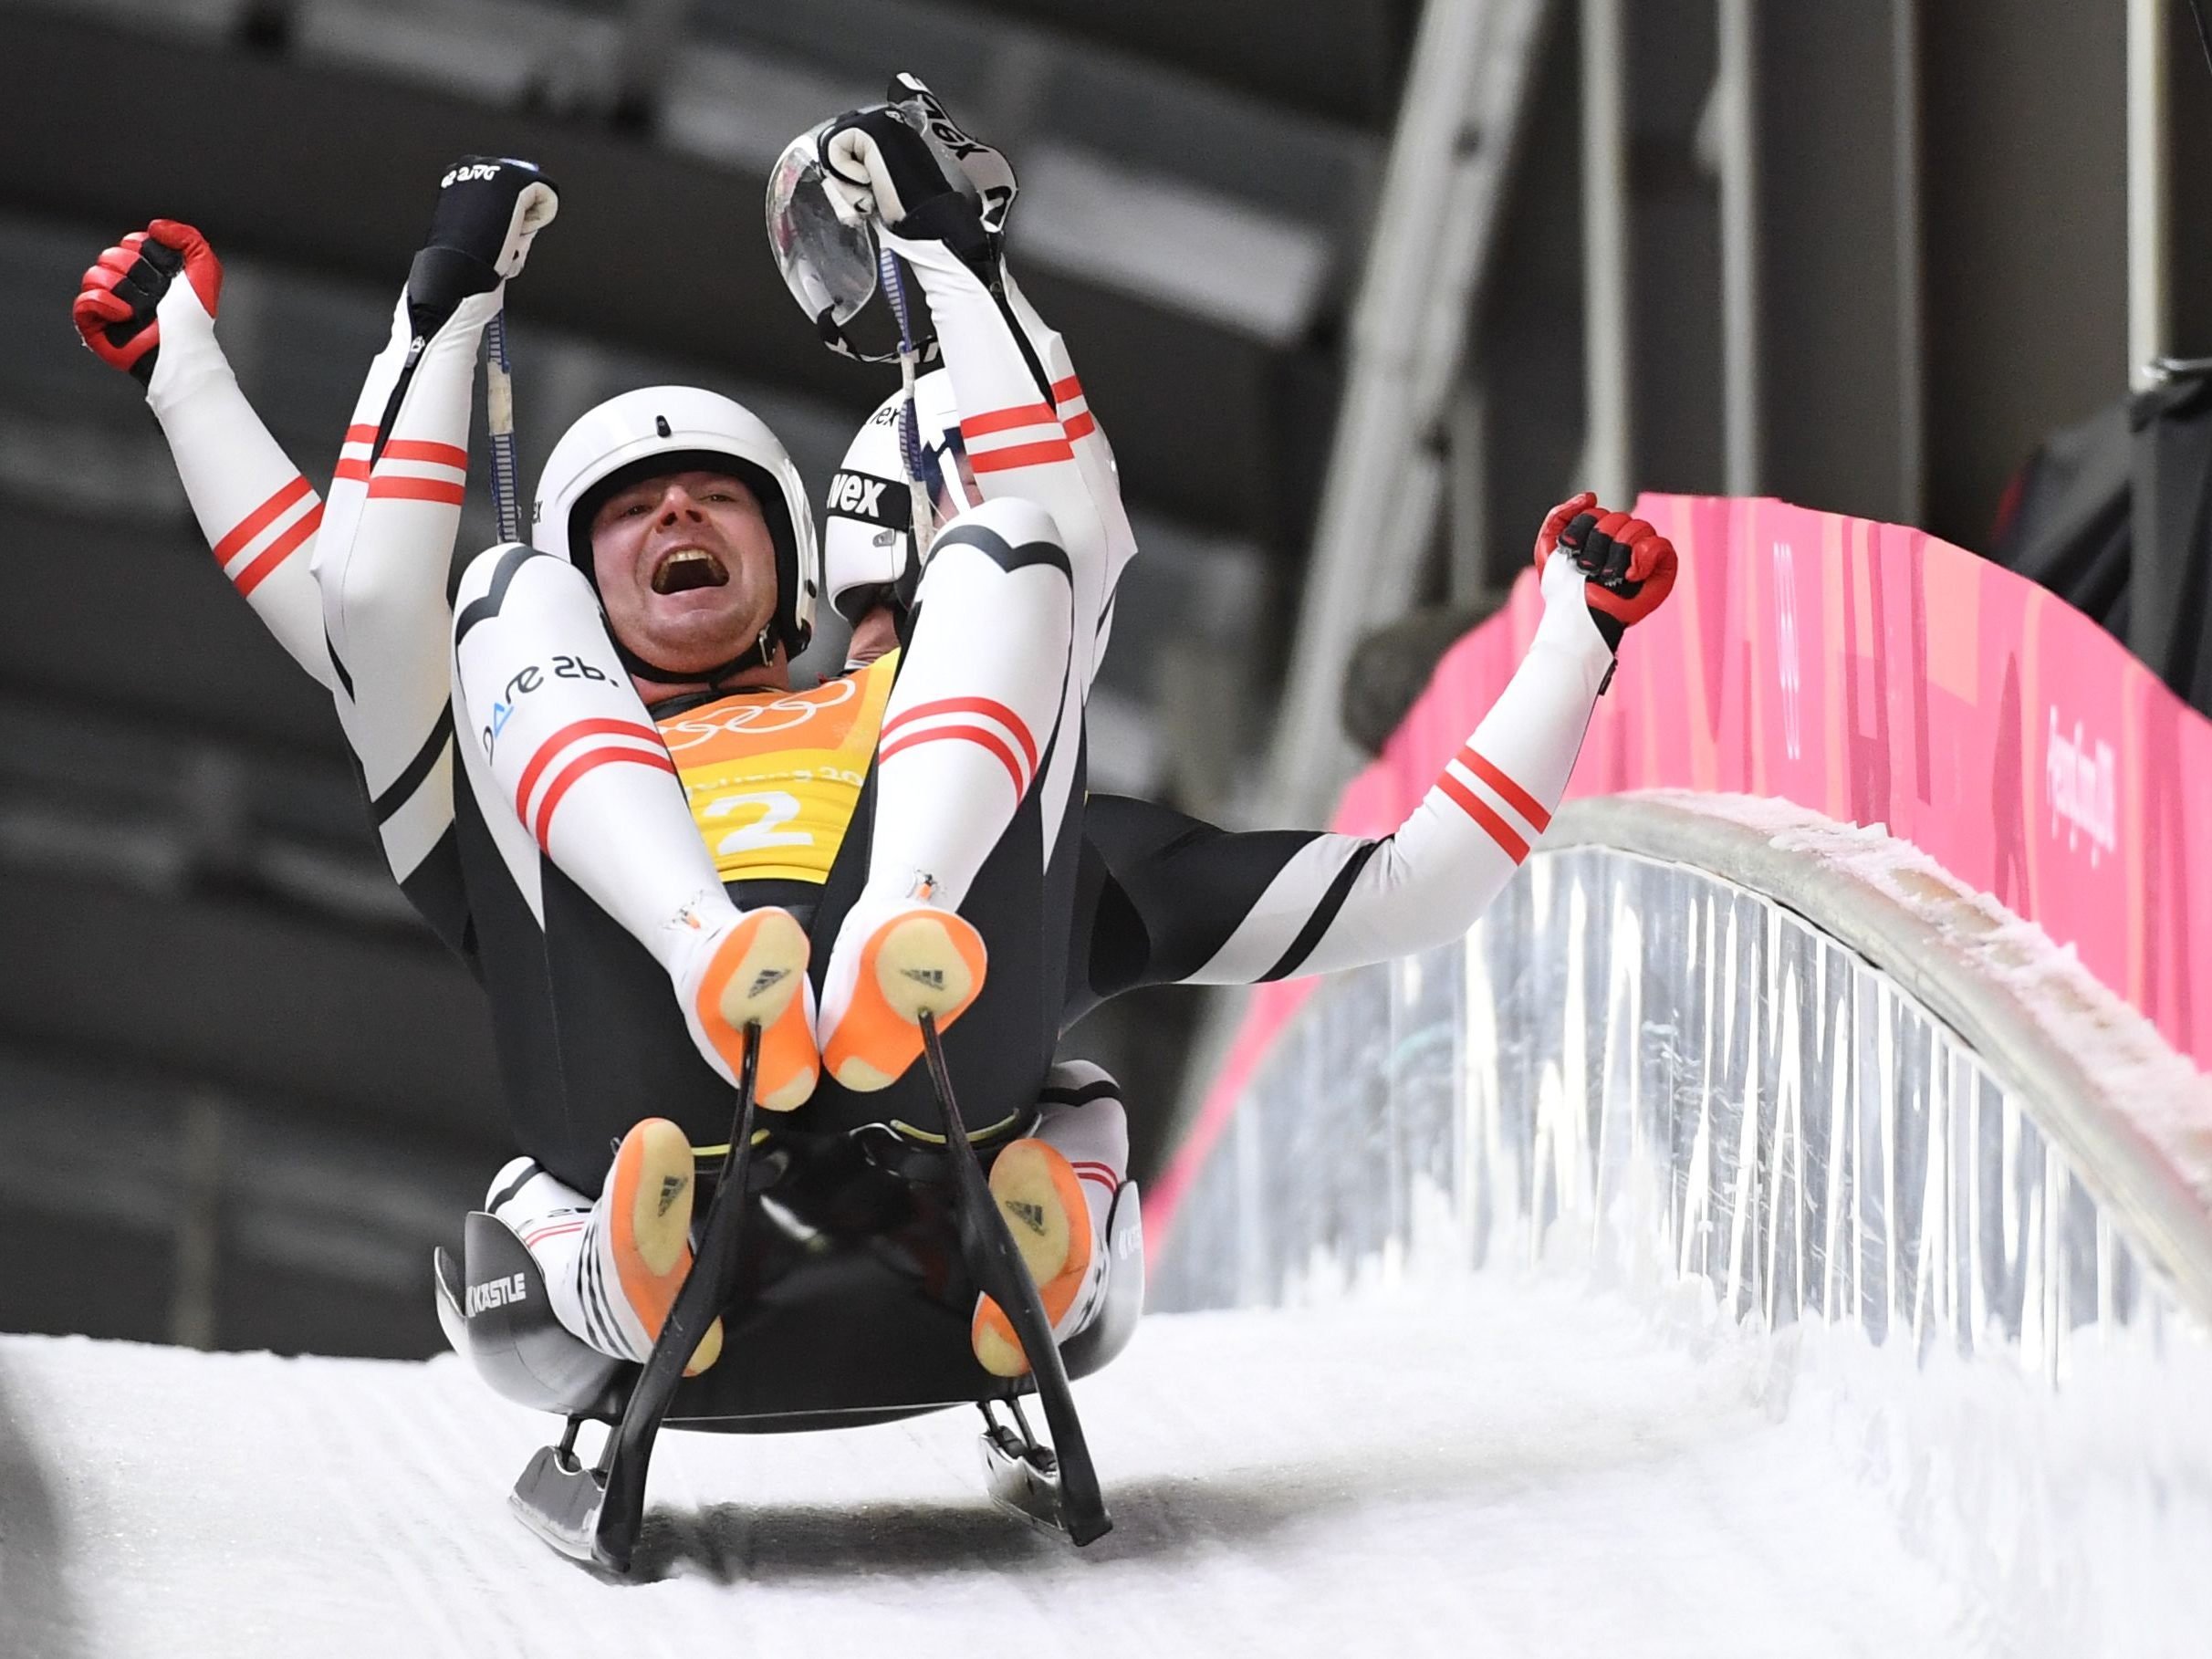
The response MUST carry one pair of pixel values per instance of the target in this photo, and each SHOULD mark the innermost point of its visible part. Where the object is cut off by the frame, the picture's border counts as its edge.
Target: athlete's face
(686, 568)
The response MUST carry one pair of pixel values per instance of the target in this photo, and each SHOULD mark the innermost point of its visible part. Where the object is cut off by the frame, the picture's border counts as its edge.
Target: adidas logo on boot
(1054, 1227)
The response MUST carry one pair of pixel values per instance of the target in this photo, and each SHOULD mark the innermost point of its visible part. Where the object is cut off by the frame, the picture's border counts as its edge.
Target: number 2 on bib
(776, 807)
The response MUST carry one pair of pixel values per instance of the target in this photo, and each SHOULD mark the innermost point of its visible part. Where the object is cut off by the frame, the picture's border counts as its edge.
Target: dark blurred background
(1861, 256)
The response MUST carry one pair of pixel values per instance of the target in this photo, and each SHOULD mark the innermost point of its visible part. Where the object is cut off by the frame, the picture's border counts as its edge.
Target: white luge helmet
(669, 428)
(868, 541)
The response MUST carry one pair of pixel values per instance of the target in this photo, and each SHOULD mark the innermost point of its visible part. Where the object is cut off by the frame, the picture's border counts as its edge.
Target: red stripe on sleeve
(361, 434)
(566, 778)
(1478, 809)
(259, 519)
(1066, 390)
(999, 419)
(418, 449)
(968, 706)
(389, 486)
(278, 551)
(560, 740)
(1511, 793)
(1081, 425)
(1021, 454)
(352, 466)
(966, 734)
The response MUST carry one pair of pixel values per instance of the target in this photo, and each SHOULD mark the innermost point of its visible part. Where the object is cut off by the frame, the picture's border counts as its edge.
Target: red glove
(1555, 524)
(1631, 566)
(116, 311)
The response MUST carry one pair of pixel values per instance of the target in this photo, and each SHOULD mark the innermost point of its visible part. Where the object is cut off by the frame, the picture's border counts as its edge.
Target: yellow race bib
(773, 776)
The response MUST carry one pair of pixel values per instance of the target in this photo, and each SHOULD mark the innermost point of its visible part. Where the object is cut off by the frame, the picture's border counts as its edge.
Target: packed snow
(1516, 1467)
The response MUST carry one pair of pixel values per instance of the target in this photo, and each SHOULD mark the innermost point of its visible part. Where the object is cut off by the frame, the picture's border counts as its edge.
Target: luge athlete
(560, 920)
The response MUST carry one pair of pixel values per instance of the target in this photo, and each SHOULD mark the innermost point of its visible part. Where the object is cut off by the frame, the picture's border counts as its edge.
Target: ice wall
(1970, 1238)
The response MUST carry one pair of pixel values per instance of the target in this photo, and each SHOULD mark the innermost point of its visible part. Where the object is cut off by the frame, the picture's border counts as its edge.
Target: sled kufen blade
(1023, 1477)
(593, 1514)
(1057, 1485)
(559, 1498)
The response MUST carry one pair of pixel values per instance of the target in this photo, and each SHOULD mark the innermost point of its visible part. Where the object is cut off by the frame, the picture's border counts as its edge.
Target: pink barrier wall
(1876, 675)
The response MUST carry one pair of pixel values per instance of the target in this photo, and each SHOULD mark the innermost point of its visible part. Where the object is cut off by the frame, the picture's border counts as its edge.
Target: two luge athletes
(590, 774)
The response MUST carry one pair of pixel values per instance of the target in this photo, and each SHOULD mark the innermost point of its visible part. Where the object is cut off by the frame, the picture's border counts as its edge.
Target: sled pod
(1108, 1333)
(493, 1307)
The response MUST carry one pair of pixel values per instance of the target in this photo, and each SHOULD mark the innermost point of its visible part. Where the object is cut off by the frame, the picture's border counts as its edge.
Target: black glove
(987, 172)
(888, 167)
(489, 209)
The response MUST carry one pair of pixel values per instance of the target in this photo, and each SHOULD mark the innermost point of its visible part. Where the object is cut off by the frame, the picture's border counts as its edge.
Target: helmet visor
(828, 265)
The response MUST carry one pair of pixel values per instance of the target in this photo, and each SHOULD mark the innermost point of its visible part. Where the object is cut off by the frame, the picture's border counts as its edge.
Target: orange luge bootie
(886, 971)
(755, 971)
(790, 1063)
(612, 1265)
(1058, 1217)
(637, 1244)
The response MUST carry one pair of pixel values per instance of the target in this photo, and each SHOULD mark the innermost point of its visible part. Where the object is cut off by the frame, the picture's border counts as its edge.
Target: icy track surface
(1530, 1470)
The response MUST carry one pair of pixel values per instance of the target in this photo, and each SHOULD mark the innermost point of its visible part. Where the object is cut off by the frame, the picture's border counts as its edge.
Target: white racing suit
(1080, 897)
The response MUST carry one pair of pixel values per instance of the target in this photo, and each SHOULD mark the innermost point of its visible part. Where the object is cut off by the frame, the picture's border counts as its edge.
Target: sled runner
(845, 1267)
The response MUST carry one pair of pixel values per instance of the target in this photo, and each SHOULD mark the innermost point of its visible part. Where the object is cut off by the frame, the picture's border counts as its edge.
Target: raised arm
(147, 307)
(1025, 421)
(1086, 436)
(1175, 899)
(386, 549)
(354, 589)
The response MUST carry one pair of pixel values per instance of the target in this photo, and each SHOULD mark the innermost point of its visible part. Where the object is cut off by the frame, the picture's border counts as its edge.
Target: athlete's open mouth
(688, 568)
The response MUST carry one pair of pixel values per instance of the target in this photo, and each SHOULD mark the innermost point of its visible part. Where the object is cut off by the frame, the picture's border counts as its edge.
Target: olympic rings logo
(770, 718)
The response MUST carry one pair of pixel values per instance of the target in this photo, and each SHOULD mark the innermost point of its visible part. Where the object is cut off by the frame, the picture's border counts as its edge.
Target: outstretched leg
(972, 727)
(576, 762)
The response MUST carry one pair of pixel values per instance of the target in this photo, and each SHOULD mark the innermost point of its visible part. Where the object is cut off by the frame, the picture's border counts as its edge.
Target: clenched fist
(119, 311)
(1630, 567)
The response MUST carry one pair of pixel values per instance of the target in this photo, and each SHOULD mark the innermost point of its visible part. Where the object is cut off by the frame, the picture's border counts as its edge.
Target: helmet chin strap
(756, 655)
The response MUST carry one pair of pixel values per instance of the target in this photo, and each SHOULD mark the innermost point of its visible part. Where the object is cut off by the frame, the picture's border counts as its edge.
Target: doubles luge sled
(845, 1267)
